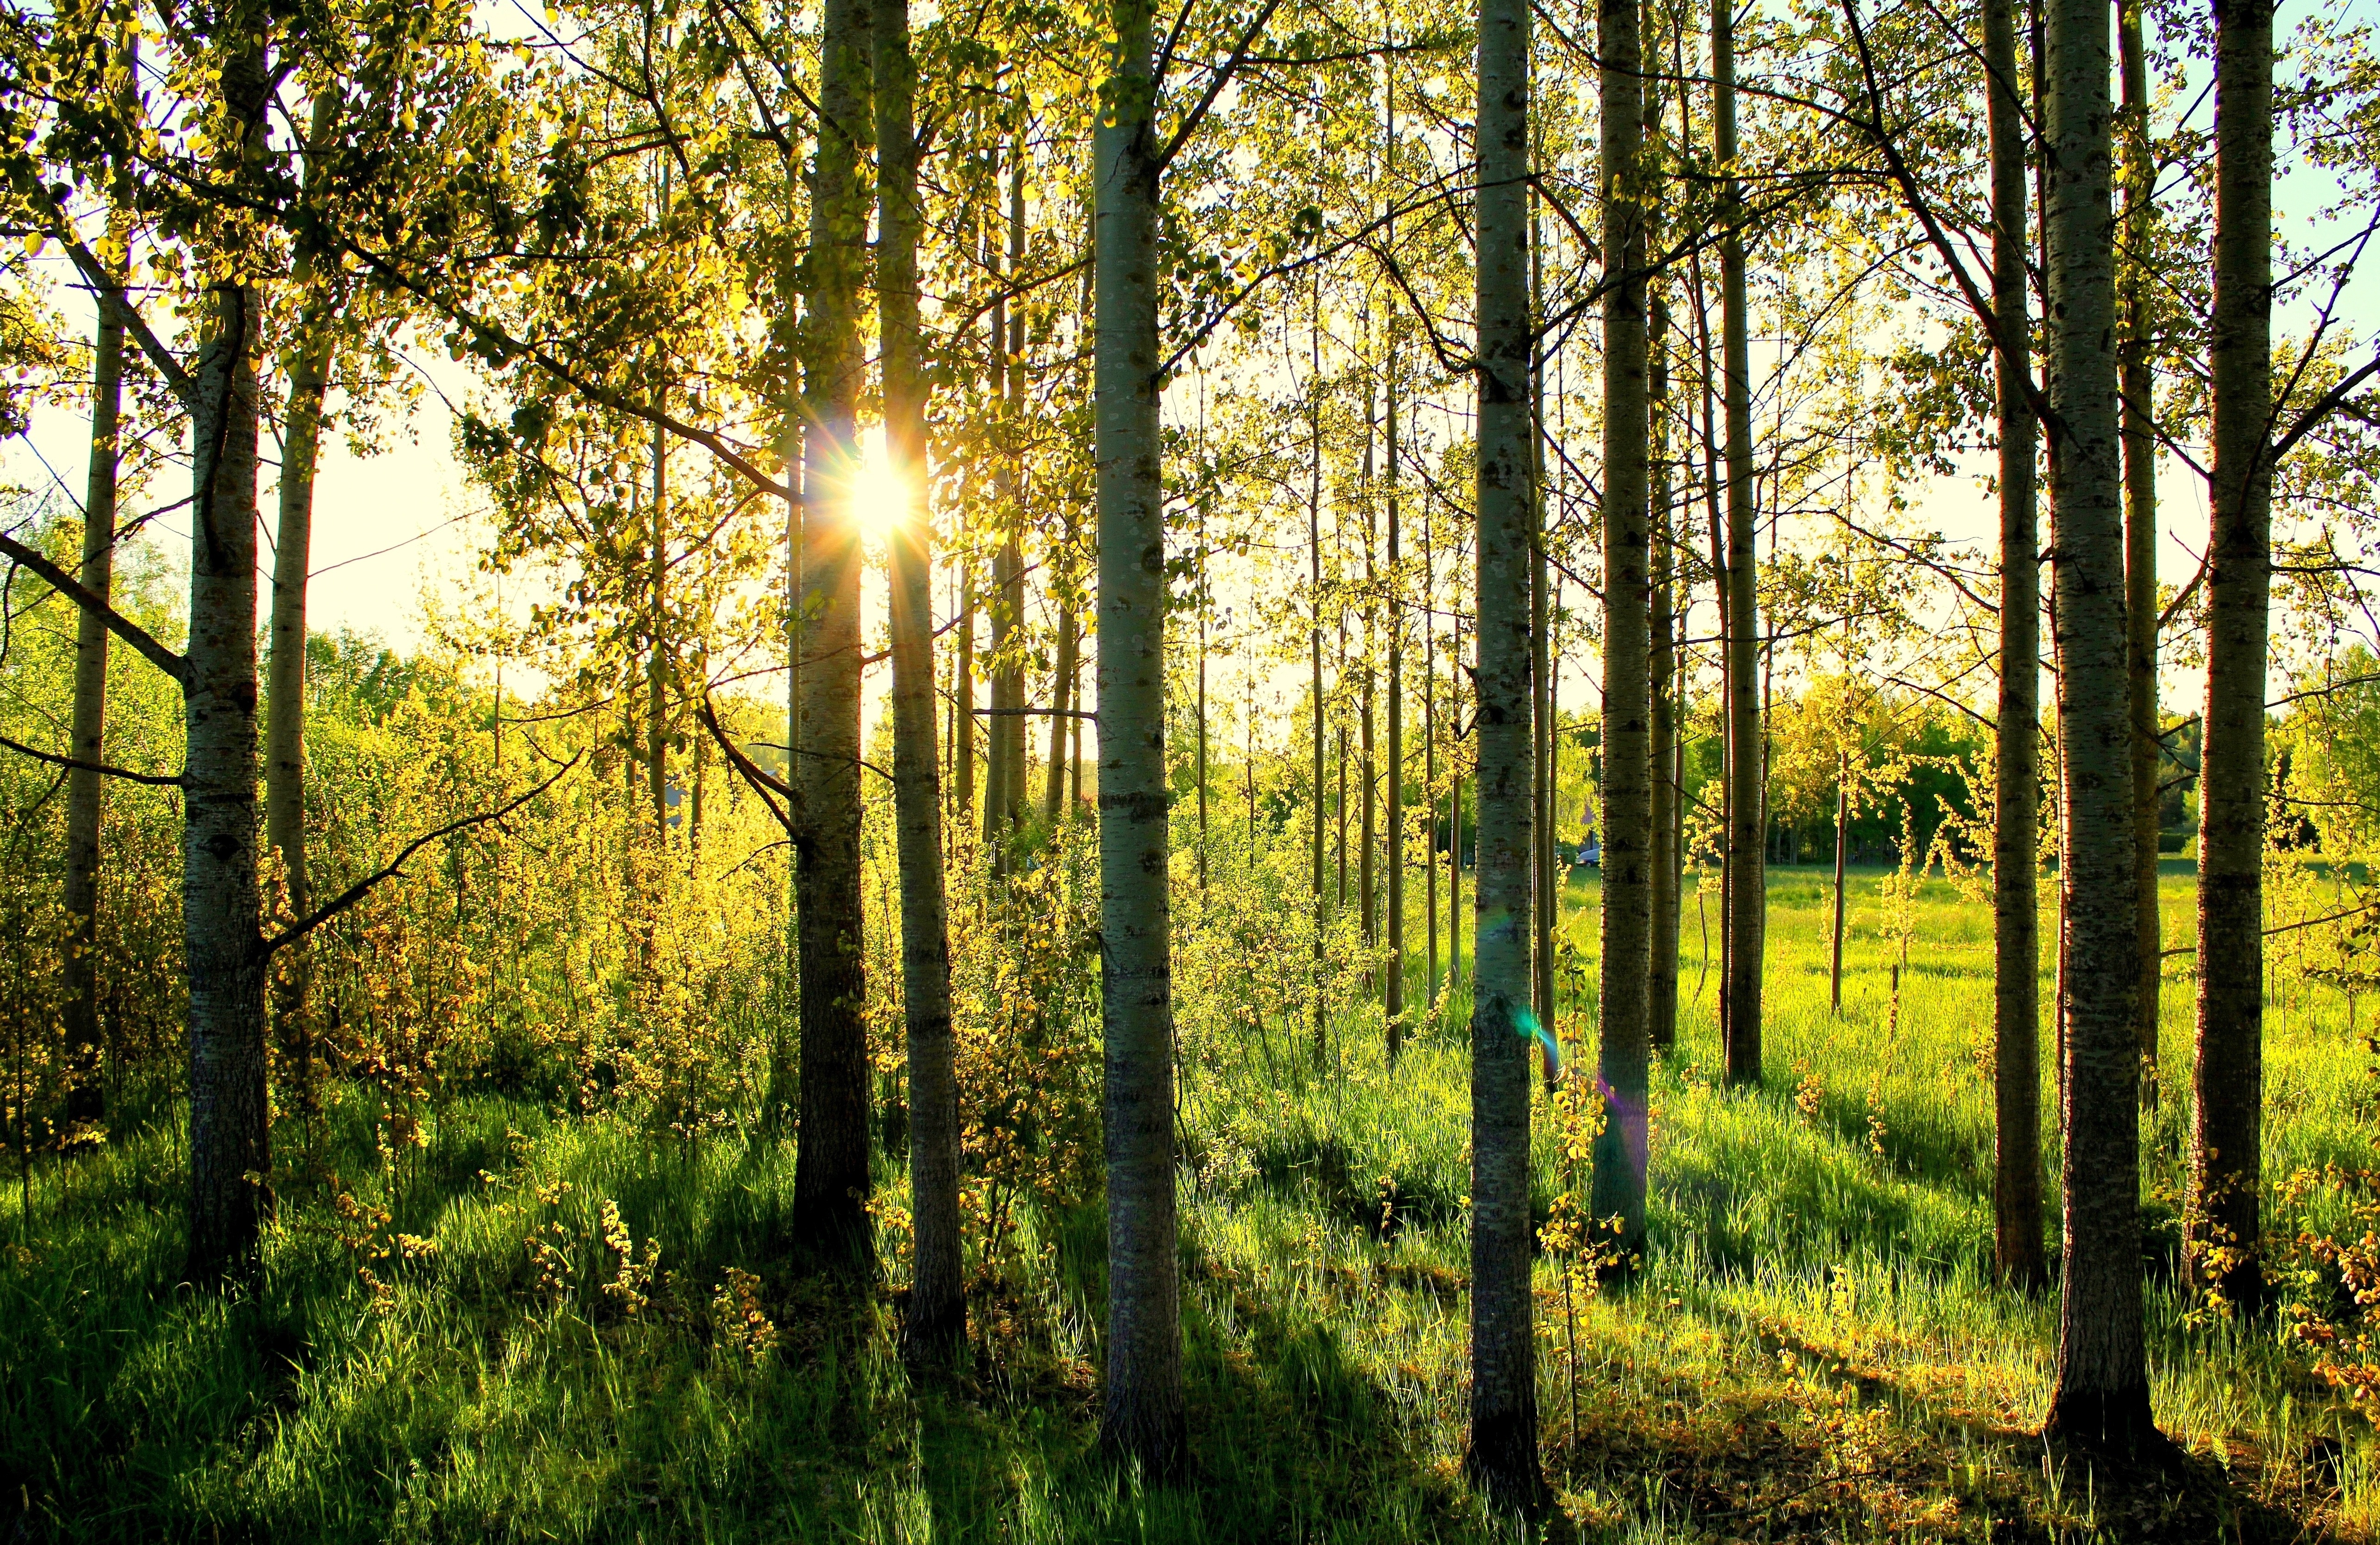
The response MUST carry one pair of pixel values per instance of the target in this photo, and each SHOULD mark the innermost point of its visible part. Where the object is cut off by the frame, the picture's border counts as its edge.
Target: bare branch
(395, 867)
(155, 780)
(117, 623)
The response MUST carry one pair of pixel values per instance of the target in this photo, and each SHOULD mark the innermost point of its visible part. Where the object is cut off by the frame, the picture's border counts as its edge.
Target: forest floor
(1814, 1350)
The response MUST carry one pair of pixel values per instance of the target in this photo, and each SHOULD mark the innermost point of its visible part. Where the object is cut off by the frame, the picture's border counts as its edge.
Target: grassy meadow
(1814, 1351)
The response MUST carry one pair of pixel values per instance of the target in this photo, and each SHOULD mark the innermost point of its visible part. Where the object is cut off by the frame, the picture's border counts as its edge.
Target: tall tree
(1746, 880)
(2016, 927)
(1397, 835)
(963, 693)
(936, 1310)
(231, 1151)
(1661, 982)
(1141, 1414)
(2139, 431)
(936, 1303)
(830, 1180)
(2228, 1133)
(2102, 1394)
(309, 368)
(1007, 802)
(1628, 890)
(86, 786)
(1314, 647)
(1503, 1343)
(1062, 701)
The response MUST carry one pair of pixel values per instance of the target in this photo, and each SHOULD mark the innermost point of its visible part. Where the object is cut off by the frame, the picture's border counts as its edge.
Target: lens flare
(1526, 1023)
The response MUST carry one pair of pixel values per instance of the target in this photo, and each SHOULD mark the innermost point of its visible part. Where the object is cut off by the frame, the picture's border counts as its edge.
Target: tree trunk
(1141, 1415)
(2226, 1139)
(284, 723)
(999, 791)
(1661, 982)
(2139, 524)
(1007, 696)
(2102, 1394)
(1204, 608)
(963, 715)
(1620, 1150)
(86, 786)
(231, 1140)
(1842, 838)
(1541, 939)
(1396, 994)
(831, 1178)
(1367, 761)
(1314, 643)
(1061, 704)
(1010, 726)
(2016, 923)
(937, 1309)
(1503, 1455)
(657, 655)
(1747, 884)
(1429, 742)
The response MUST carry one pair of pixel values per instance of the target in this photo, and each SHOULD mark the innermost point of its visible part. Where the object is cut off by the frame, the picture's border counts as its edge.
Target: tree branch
(155, 780)
(117, 623)
(764, 782)
(1222, 78)
(395, 867)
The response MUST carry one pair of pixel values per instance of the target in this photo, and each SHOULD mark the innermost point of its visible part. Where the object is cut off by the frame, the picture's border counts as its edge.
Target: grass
(1815, 1350)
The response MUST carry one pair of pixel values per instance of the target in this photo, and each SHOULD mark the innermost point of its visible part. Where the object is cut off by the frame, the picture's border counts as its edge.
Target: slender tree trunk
(937, 1308)
(1204, 607)
(830, 1180)
(2016, 924)
(1007, 697)
(1142, 1414)
(1712, 484)
(1661, 982)
(1314, 644)
(1503, 1455)
(1455, 832)
(1541, 805)
(1628, 891)
(85, 787)
(1061, 704)
(285, 701)
(783, 1064)
(284, 723)
(2140, 524)
(1747, 884)
(1842, 839)
(1367, 765)
(1396, 995)
(1541, 937)
(1429, 739)
(2102, 1394)
(1014, 793)
(697, 774)
(2226, 1139)
(963, 715)
(657, 655)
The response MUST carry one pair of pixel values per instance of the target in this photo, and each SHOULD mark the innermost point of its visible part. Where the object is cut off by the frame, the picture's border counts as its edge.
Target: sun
(879, 496)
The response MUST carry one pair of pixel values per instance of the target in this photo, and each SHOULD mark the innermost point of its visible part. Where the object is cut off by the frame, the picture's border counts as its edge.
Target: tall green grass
(1815, 1348)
